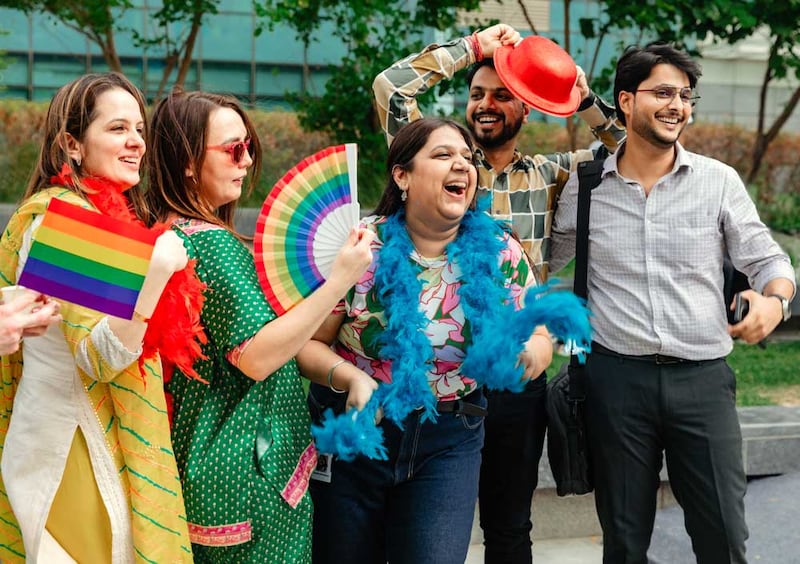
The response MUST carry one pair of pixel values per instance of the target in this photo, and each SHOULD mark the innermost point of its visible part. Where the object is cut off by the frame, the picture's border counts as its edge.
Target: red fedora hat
(541, 74)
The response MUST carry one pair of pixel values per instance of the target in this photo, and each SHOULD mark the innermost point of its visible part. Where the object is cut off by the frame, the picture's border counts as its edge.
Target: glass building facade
(42, 54)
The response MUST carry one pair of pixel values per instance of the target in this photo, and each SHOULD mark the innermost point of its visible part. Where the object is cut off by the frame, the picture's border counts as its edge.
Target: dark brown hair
(177, 143)
(72, 109)
(406, 144)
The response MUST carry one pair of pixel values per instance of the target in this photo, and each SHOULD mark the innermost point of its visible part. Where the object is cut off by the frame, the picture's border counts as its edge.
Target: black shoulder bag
(567, 449)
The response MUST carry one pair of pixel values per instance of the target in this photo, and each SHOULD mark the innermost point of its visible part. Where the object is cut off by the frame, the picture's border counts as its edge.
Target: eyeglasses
(667, 94)
(236, 149)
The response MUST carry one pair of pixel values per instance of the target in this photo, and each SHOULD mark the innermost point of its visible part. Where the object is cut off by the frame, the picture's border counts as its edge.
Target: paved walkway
(772, 508)
(588, 550)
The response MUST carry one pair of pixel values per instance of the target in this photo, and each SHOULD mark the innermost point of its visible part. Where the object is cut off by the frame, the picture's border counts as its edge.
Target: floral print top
(448, 331)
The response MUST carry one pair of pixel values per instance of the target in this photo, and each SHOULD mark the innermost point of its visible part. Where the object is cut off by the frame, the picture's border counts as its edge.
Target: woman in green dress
(242, 439)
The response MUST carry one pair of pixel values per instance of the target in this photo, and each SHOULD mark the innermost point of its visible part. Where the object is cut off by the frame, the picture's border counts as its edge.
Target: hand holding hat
(496, 36)
(541, 74)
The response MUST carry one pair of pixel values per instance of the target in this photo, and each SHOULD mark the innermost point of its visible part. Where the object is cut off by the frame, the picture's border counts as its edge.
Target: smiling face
(494, 114)
(657, 122)
(112, 147)
(221, 179)
(441, 179)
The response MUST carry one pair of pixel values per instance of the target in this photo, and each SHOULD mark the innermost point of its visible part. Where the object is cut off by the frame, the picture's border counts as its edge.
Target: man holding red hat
(523, 189)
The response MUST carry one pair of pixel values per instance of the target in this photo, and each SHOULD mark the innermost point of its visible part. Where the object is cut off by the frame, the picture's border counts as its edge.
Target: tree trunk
(527, 16)
(168, 67)
(572, 130)
(109, 46)
(760, 144)
(188, 49)
(110, 54)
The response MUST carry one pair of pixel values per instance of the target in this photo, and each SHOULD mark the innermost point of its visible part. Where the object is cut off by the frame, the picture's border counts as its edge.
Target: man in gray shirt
(662, 219)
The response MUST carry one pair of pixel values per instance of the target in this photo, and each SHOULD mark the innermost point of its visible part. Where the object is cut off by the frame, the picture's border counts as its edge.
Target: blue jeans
(515, 429)
(417, 506)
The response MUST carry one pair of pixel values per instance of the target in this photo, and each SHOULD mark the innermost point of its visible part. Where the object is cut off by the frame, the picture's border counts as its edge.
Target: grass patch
(761, 372)
(763, 376)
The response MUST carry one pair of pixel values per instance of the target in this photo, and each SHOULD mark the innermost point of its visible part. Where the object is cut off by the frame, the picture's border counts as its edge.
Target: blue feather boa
(498, 331)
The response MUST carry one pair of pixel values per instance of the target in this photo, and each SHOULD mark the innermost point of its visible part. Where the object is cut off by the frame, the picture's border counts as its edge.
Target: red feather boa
(174, 330)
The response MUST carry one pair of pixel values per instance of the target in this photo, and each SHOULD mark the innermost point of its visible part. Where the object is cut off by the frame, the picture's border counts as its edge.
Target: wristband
(476, 47)
(587, 102)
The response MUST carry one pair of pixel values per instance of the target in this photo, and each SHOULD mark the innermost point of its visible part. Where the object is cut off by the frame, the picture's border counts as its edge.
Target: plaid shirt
(526, 191)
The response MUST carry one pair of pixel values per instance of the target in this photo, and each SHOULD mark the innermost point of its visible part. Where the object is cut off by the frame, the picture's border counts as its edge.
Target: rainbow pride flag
(89, 259)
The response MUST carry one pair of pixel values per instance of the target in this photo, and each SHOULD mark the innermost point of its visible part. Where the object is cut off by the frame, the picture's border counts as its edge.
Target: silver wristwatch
(785, 306)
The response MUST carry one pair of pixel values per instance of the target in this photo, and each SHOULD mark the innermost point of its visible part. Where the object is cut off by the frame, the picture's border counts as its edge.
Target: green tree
(374, 34)
(687, 21)
(177, 24)
(178, 44)
(93, 19)
(3, 62)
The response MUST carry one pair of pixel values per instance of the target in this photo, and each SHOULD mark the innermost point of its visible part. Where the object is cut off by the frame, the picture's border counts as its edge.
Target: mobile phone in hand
(741, 307)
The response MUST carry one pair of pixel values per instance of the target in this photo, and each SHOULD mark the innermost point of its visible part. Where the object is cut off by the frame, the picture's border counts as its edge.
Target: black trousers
(638, 410)
(515, 428)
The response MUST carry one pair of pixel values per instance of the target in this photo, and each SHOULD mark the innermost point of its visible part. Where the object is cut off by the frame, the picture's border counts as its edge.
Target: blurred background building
(265, 70)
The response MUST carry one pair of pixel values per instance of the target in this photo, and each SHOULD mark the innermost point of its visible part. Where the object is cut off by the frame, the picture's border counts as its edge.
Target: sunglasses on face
(667, 94)
(236, 149)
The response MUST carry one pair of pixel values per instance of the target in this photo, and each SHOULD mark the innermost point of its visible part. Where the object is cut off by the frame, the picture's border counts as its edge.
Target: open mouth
(456, 189)
(669, 120)
(487, 119)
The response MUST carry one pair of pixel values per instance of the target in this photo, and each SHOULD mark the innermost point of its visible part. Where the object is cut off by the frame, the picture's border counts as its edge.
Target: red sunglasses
(236, 149)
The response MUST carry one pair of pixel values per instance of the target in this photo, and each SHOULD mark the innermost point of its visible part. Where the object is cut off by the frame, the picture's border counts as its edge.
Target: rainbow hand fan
(303, 223)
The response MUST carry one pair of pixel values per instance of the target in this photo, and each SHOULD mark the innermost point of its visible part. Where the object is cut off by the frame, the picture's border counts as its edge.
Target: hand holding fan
(303, 223)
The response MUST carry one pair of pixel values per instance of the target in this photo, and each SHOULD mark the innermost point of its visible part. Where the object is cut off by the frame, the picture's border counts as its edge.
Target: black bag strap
(589, 175)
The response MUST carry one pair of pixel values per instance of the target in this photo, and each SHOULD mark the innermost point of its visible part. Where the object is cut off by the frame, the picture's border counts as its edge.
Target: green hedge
(285, 143)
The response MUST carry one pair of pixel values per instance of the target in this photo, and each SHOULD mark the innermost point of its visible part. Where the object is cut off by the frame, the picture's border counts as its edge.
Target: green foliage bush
(20, 137)
(284, 143)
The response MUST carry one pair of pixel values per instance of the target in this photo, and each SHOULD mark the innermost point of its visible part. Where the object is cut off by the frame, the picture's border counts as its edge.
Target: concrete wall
(731, 83)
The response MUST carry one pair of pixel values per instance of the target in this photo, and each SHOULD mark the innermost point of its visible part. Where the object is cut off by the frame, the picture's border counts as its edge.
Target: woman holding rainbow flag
(87, 462)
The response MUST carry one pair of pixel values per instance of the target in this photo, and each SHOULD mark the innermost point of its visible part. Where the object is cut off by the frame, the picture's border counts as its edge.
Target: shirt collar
(682, 159)
(480, 157)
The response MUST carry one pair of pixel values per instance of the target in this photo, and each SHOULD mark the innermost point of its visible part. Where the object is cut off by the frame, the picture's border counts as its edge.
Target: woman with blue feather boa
(449, 306)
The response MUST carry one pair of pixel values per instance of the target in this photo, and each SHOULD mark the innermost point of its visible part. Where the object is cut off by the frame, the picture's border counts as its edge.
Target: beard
(644, 129)
(491, 140)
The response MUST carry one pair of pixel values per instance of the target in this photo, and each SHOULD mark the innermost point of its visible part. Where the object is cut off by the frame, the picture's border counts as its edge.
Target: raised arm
(396, 88)
(599, 116)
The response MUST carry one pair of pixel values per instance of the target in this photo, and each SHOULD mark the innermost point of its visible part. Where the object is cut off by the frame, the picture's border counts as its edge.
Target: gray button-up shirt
(655, 263)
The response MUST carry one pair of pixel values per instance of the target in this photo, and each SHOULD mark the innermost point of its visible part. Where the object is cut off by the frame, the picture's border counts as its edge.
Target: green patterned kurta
(243, 447)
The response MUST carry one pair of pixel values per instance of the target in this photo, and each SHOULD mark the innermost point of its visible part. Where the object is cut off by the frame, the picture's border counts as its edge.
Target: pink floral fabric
(447, 331)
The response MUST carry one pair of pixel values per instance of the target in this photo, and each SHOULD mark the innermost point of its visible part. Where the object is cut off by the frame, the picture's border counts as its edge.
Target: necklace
(428, 262)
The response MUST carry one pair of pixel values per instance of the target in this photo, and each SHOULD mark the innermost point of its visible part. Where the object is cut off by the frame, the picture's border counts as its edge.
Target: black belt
(461, 407)
(654, 358)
